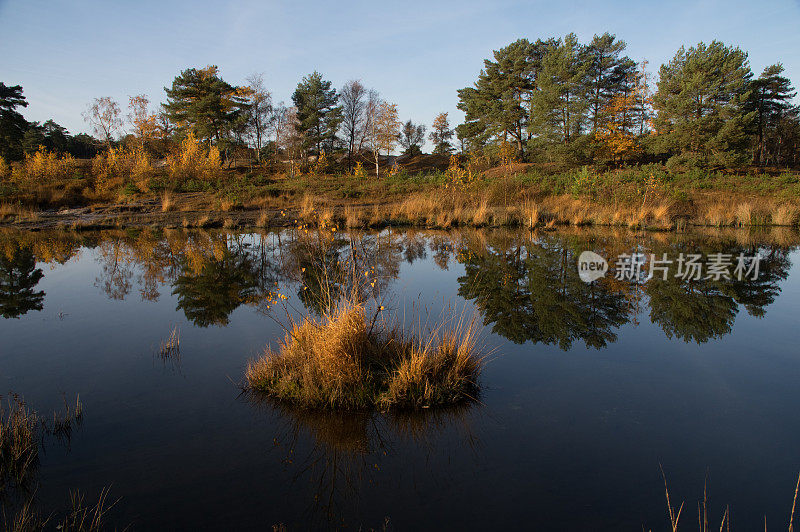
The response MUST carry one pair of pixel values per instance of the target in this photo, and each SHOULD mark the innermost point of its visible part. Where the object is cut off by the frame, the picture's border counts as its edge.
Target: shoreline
(195, 210)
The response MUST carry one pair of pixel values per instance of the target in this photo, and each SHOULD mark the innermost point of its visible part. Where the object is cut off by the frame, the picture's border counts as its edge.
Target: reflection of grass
(345, 360)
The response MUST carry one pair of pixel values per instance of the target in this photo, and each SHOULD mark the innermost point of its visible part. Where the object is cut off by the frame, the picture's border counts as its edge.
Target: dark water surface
(589, 387)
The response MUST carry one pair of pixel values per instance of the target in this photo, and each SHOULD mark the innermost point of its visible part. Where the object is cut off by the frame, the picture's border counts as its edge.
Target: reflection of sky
(564, 438)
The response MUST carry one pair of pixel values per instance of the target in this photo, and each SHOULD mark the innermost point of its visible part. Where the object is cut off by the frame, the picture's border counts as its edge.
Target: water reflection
(340, 454)
(18, 279)
(525, 285)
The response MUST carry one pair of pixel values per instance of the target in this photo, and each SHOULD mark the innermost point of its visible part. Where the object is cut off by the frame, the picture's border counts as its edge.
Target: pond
(589, 387)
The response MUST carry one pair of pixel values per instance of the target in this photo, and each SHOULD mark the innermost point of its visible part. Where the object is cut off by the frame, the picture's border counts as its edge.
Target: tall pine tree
(701, 104)
(318, 114)
(771, 97)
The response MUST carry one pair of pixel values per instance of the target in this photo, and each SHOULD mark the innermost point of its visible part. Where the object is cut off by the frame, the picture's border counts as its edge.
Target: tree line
(353, 121)
(552, 101)
(559, 100)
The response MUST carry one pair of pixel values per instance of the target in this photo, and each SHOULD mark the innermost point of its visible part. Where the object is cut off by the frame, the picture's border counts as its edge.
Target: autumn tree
(411, 138)
(318, 115)
(201, 101)
(382, 127)
(142, 121)
(12, 123)
(105, 118)
(353, 98)
(441, 134)
(701, 102)
(624, 118)
(260, 112)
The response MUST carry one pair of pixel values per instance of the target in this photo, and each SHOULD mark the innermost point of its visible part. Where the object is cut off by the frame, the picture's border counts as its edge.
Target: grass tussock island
(348, 360)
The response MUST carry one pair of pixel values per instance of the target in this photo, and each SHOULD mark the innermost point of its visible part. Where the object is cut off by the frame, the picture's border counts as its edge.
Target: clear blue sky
(417, 54)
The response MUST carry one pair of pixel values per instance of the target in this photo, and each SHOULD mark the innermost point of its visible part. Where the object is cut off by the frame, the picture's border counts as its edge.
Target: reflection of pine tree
(538, 296)
(209, 293)
(757, 294)
(18, 278)
(690, 310)
(701, 310)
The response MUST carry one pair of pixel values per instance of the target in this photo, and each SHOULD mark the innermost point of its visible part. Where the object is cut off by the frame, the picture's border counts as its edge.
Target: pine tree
(560, 103)
(204, 103)
(496, 107)
(318, 114)
(12, 123)
(411, 138)
(608, 75)
(701, 105)
(771, 96)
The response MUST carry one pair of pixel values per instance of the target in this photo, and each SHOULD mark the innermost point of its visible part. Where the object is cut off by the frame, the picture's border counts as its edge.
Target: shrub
(117, 167)
(5, 170)
(44, 166)
(193, 162)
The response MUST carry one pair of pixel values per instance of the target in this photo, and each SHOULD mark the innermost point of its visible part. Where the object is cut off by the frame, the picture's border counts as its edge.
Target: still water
(589, 386)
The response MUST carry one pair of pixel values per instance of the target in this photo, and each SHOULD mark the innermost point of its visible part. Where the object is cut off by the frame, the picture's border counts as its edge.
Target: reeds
(19, 442)
(63, 422)
(674, 513)
(83, 517)
(349, 360)
(170, 347)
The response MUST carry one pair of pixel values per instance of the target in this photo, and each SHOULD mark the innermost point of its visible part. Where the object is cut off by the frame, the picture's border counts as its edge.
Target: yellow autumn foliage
(119, 166)
(194, 161)
(5, 170)
(44, 166)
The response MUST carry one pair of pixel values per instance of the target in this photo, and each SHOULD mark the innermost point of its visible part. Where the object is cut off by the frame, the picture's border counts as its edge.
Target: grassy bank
(122, 188)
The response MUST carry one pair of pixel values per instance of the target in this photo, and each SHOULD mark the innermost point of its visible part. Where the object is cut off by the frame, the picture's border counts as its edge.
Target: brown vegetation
(346, 360)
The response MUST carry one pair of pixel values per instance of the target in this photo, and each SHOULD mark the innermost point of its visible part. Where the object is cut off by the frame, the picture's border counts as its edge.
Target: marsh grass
(63, 422)
(348, 359)
(674, 513)
(19, 442)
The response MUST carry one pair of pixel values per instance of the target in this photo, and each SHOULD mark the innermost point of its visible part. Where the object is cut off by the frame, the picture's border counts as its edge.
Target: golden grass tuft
(531, 214)
(784, 215)
(346, 360)
(743, 214)
(167, 202)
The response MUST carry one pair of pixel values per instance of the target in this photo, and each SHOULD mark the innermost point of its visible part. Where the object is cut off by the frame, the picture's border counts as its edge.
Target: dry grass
(167, 202)
(531, 214)
(784, 215)
(263, 218)
(743, 214)
(63, 422)
(85, 517)
(307, 207)
(171, 346)
(19, 442)
(703, 521)
(347, 360)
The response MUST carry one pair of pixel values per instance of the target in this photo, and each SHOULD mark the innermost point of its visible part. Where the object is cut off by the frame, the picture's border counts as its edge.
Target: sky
(416, 54)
